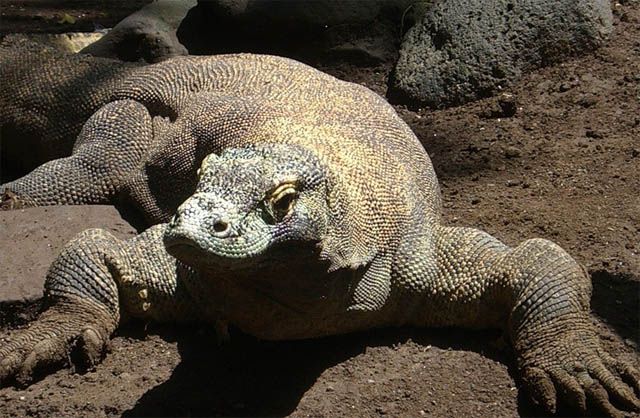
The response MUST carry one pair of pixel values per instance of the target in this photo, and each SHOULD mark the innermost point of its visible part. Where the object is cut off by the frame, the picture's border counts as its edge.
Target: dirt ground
(565, 167)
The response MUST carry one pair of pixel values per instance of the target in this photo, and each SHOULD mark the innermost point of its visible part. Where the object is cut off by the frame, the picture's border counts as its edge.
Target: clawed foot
(10, 201)
(66, 334)
(570, 364)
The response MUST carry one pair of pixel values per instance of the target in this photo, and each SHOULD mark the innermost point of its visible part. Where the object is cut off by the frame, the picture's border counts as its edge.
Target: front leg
(537, 292)
(96, 281)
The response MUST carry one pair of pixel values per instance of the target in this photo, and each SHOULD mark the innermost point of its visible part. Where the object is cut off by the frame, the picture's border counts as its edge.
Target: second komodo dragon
(300, 206)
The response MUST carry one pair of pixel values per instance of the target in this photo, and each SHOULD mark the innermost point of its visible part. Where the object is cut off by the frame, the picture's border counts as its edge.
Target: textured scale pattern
(292, 205)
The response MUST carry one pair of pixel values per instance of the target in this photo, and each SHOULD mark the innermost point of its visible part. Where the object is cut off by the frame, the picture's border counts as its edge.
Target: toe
(615, 387)
(629, 374)
(88, 349)
(9, 365)
(45, 354)
(570, 388)
(599, 398)
(541, 388)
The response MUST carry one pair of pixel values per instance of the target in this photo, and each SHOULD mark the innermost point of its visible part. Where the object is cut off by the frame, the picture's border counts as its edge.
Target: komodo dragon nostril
(221, 228)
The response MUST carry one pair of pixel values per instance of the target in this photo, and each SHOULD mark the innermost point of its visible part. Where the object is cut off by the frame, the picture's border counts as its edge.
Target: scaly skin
(45, 99)
(315, 212)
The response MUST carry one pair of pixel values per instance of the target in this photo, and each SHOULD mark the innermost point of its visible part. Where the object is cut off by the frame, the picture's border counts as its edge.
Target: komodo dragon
(315, 211)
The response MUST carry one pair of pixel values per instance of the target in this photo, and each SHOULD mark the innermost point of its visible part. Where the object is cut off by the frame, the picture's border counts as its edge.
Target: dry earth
(565, 167)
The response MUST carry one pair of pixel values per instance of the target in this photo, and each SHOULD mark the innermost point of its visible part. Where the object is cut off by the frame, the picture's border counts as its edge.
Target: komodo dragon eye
(281, 200)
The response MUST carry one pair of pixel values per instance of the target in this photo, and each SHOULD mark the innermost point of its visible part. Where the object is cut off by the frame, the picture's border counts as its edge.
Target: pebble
(512, 152)
(508, 105)
(587, 100)
(593, 134)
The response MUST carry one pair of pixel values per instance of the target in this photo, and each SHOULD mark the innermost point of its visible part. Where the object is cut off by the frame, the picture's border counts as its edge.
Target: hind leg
(110, 147)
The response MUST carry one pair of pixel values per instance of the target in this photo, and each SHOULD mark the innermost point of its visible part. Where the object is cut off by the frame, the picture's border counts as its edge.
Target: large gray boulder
(464, 50)
(354, 30)
(148, 34)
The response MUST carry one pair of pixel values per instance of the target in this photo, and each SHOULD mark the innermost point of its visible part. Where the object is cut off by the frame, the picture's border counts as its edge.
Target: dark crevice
(440, 39)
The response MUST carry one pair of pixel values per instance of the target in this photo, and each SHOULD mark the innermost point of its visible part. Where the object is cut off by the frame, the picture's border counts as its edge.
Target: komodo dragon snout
(250, 203)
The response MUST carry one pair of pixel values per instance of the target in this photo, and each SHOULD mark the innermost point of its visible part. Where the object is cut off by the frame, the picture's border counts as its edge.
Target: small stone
(508, 105)
(475, 200)
(381, 410)
(587, 100)
(513, 183)
(564, 87)
(593, 134)
(512, 152)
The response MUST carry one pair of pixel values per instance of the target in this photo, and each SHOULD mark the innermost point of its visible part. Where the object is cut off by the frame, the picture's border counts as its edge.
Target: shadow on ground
(247, 377)
(616, 299)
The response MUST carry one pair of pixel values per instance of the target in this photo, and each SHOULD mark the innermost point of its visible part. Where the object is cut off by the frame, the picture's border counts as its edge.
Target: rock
(463, 50)
(592, 133)
(587, 100)
(363, 32)
(148, 34)
(503, 106)
(512, 152)
(357, 31)
(32, 238)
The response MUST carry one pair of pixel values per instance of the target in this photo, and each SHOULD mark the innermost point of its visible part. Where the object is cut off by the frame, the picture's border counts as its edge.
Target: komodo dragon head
(250, 205)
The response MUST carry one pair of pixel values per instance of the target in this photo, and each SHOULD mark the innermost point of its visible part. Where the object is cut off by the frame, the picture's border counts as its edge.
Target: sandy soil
(565, 167)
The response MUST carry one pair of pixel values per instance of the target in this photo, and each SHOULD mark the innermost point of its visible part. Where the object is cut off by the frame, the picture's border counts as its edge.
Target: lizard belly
(284, 308)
